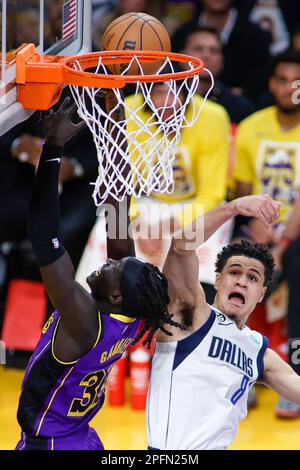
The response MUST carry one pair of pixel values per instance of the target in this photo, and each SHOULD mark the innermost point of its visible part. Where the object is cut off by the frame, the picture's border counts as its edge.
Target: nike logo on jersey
(53, 160)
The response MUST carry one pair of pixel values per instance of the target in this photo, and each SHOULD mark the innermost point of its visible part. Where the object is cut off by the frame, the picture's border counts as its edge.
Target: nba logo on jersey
(55, 243)
(222, 319)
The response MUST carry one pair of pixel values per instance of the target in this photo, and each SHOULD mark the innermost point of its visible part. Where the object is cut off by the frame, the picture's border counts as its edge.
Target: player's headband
(129, 278)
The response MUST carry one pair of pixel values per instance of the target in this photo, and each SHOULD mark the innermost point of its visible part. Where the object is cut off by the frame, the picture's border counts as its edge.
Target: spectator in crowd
(267, 142)
(295, 39)
(268, 154)
(284, 15)
(270, 16)
(245, 46)
(205, 43)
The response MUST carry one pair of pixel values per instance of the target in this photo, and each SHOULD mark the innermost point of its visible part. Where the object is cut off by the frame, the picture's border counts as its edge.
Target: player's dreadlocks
(251, 250)
(153, 298)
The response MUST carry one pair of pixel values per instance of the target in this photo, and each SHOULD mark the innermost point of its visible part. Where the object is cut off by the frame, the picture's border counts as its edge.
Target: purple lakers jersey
(61, 398)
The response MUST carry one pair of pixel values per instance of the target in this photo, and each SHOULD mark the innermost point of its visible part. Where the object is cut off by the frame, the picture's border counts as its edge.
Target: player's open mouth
(236, 298)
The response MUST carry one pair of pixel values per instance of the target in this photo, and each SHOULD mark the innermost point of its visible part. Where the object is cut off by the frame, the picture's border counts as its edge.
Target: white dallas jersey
(199, 385)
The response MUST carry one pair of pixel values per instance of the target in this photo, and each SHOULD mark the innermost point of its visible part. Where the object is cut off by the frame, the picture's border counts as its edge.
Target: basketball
(136, 31)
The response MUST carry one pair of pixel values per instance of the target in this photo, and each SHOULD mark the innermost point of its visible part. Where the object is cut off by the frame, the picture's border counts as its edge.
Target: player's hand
(262, 207)
(58, 126)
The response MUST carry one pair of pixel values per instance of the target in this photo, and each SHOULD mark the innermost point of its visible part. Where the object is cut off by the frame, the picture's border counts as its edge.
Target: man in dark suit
(204, 42)
(245, 47)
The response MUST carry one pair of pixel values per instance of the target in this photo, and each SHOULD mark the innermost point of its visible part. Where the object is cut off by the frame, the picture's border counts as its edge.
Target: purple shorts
(87, 440)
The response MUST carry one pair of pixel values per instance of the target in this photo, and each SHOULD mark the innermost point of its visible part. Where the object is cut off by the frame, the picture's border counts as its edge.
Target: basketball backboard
(56, 27)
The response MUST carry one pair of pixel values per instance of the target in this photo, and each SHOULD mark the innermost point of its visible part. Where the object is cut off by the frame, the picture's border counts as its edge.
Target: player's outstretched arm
(182, 265)
(279, 376)
(120, 242)
(55, 264)
(201, 229)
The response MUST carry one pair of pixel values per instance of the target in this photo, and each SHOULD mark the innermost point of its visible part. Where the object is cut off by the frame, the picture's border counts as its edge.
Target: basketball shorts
(87, 440)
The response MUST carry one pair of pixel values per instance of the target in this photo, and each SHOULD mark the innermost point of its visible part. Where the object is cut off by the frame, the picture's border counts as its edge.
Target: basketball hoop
(152, 139)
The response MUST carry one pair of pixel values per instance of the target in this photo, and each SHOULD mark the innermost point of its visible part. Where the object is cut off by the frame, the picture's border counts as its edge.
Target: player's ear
(262, 294)
(217, 281)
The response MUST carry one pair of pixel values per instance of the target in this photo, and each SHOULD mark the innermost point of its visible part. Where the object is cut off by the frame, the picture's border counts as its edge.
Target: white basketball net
(152, 137)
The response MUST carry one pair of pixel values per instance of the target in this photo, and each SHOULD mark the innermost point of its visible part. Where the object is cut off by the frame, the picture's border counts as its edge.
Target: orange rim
(40, 79)
(82, 78)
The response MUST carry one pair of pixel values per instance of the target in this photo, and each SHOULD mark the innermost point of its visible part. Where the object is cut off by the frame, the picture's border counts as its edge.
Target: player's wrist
(54, 141)
(51, 151)
(233, 208)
